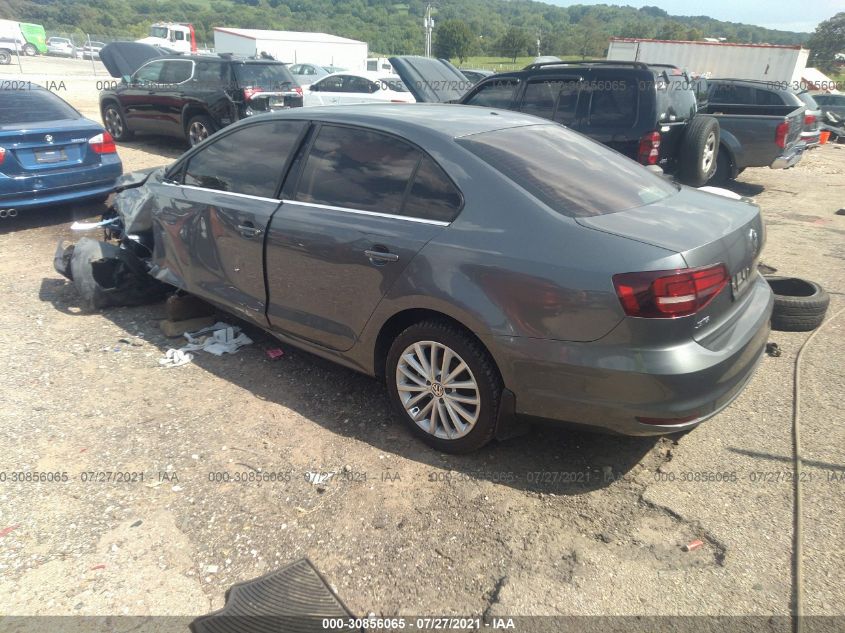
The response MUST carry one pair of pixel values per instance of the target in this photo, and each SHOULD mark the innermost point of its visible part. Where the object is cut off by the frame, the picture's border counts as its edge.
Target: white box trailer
(764, 62)
(293, 47)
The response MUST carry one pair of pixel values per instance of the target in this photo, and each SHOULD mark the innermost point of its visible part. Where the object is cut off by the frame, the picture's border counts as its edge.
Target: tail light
(669, 293)
(103, 144)
(298, 90)
(780, 134)
(2, 154)
(649, 150)
(249, 93)
(809, 119)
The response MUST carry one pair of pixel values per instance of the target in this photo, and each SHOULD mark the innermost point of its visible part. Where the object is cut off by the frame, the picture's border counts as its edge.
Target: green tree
(514, 42)
(826, 42)
(590, 39)
(454, 39)
(672, 30)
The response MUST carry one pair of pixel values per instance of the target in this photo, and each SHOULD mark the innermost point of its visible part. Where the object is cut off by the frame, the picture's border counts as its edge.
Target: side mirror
(126, 79)
(314, 88)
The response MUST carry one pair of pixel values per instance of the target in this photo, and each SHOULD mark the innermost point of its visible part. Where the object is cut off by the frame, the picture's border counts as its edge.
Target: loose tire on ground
(481, 371)
(699, 147)
(800, 305)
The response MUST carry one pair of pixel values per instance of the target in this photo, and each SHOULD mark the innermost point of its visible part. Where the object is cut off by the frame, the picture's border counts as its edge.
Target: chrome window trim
(314, 205)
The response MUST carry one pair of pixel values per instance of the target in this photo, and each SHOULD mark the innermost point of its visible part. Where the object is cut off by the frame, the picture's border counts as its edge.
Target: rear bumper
(68, 186)
(790, 158)
(608, 387)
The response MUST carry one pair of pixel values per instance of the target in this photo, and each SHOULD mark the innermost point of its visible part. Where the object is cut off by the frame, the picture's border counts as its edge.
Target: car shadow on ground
(746, 189)
(51, 216)
(544, 460)
(165, 147)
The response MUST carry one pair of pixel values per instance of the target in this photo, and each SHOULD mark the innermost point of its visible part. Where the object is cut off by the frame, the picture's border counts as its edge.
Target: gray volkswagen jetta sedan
(493, 267)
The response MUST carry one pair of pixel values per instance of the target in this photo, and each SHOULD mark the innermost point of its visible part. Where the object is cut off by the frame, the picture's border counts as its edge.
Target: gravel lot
(551, 523)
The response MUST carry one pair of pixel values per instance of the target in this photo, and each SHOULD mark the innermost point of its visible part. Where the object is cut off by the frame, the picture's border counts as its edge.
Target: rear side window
(216, 166)
(357, 169)
(767, 97)
(31, 105)
(731, 93)
(613, 103)
(552, 99)
(175, 72)
(570, 173)
(211, 73)
(432, 196)
(498, 93)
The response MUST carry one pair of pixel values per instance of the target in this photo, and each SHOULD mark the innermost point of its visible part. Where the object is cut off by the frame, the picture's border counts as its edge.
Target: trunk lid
(705, 229)
(47, 147)
(430, 80)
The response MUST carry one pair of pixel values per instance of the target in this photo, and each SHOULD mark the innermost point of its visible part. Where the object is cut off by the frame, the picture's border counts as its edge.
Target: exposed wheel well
(402, 320)
(189, 113)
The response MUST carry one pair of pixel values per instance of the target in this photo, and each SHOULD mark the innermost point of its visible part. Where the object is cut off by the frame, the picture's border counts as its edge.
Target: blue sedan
(49, 153)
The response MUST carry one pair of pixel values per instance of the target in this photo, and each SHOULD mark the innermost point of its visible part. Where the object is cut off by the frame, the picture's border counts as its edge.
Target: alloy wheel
(709, 153)
(438, 390)
(197, 132)
(114, 123)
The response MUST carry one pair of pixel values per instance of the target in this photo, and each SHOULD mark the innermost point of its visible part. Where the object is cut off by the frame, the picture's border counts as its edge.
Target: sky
(786, 15)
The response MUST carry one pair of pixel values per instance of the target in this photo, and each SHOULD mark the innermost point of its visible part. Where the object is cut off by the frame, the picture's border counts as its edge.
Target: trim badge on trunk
(48, 138)
(753, 242)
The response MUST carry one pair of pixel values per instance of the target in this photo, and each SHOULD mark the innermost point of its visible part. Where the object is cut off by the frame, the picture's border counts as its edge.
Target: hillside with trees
(463, 27)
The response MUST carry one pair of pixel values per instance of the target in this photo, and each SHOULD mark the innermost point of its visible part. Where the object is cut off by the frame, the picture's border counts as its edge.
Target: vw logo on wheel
(48, 138)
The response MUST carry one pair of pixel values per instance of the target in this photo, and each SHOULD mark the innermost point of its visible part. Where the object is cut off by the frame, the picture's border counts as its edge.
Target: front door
(214, 223)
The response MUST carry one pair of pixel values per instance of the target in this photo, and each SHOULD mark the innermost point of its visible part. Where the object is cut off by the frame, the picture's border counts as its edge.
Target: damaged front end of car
(118, 270)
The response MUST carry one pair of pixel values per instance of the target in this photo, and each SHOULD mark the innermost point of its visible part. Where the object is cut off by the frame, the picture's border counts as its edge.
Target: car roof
(555, 68)
(448, 121)
(372, 75)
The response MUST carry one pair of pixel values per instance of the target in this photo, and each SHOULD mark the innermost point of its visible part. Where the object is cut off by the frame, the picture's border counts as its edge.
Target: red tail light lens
(103, 144)
(669, 293)
(2, 154)
(809, 119)
(249, 93)
(780, 134)
(298, 90)
(649, 150)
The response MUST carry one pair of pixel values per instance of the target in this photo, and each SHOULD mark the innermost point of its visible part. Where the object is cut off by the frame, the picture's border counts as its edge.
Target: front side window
(216, 166)
(358, 85)
(767, 97)
(731, 93)
(329, 84)
(568, 172)
(151, 73)
(357, 169)
(498, 93)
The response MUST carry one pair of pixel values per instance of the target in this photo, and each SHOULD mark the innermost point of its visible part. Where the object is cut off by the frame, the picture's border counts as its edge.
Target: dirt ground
(551, 523)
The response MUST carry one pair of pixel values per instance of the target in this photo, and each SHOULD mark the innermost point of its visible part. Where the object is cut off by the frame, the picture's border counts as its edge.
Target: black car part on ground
(107, 275)
(800, 305)
(295, 599)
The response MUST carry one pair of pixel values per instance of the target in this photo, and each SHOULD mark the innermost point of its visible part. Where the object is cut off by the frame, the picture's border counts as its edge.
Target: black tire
(483, 371)
(723, 171)
(115, 123)
(29, 50)
(195, 124)
(700, 140)
(800, 305)
(5, 57)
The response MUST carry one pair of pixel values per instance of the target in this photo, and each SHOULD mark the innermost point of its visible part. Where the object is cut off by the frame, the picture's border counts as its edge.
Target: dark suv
(192, 97)
(648, 113)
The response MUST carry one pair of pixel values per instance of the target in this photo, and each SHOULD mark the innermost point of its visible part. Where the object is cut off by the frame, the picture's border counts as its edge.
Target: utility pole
(428, 23)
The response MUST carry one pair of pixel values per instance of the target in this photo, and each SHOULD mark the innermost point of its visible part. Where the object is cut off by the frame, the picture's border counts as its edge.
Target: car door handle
(248, 230)
(381, 256)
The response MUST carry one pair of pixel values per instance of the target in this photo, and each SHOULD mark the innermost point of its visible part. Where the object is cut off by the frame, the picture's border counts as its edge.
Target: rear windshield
(570, 173)
(266, 76)
(31, 104)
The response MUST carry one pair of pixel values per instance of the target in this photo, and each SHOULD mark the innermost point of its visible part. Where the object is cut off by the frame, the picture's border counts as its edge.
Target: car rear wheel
(5, 58)
(29, 50)
(723, 169)
(699, 149)
(199, 128)
(116, 124)
(444, 386)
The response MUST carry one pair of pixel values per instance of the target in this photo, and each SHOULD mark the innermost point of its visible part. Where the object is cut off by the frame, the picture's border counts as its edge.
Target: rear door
(357, 208)
(211, 228)
(168, 97)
